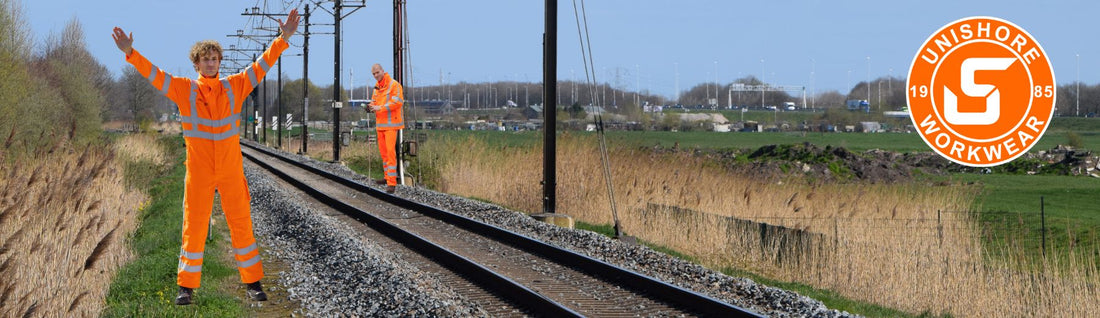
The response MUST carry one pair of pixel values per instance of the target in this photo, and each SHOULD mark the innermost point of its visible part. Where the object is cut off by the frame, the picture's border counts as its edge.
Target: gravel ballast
(336, 271)
(333, 271)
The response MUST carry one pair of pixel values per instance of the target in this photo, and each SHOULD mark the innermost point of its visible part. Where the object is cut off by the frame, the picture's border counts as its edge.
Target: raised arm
(244, 82)
(175, 88)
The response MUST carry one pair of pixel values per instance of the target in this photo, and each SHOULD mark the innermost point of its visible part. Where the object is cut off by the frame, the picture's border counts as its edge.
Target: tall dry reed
(906, 246)
(64, 218)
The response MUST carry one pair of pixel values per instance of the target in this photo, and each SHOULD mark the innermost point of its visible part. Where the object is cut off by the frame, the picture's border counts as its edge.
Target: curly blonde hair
(201, 48)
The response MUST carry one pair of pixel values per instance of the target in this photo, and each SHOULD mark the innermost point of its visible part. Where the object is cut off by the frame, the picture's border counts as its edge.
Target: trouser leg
(198, 200)
(238, 216)
(387, 141)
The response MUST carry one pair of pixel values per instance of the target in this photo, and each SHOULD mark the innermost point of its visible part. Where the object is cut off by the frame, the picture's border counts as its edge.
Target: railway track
(505, 272)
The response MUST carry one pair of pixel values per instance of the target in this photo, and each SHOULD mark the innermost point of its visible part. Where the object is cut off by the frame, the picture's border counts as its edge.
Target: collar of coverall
(384, 82)
(209, 80)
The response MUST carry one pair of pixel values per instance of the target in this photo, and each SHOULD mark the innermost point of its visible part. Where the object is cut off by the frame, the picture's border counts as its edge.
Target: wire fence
(1031, 234)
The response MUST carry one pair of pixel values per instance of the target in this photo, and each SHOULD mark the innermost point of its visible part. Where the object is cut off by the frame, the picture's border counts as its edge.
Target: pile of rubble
(1078, 162)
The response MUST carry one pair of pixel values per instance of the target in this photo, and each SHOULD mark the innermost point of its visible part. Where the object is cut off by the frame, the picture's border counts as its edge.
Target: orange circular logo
(981, 91)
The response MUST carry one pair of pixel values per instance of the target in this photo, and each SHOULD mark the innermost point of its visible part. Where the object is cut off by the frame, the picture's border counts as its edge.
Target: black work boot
(256, 291)
(184, 296)
(391, 189)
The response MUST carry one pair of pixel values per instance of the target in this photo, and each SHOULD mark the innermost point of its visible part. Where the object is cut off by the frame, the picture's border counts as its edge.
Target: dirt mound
(829, 163)
(838, 163)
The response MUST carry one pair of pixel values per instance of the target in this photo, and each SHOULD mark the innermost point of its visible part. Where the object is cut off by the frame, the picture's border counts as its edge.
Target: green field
(1012, 208)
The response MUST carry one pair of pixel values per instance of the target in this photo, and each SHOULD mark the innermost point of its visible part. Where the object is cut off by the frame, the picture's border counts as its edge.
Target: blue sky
(643, 44)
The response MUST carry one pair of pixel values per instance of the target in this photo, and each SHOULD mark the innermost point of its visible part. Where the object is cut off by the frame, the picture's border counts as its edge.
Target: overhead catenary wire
(590, 77)
(407, 59)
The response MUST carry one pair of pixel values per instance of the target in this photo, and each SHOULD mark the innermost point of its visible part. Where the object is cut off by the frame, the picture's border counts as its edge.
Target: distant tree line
(57, 92)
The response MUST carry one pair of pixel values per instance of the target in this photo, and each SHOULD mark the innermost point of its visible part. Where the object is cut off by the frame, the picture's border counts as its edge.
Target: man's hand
(290, 26)
(123, 41)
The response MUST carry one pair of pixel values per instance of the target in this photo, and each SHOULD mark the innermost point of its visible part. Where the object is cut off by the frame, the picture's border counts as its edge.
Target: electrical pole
(549, 109)
(869, 83)
(336, 84)
(254, 113)
(263, 102)
(336, 90)
(399, 73)
(279, 101)
(305, 86)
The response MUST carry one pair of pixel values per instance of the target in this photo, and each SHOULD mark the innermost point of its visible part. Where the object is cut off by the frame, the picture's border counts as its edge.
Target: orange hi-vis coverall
(388, 94)
(210, 110)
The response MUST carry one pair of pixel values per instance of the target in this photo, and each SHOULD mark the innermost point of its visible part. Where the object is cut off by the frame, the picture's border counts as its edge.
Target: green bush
(1074, 140)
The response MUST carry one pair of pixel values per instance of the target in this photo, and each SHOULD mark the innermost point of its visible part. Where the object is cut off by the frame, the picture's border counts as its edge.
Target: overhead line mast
(550, 106)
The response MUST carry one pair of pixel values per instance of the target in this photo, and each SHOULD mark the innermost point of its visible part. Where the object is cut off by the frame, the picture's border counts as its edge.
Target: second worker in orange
(386, 105)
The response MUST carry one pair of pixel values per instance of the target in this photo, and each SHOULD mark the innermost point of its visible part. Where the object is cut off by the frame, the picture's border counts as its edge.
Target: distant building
(870, 126)
(533, 111)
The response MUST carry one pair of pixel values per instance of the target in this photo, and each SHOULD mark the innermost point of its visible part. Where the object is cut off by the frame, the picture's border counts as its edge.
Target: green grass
(711, 140)
(1075, 124)
(499, 138)
(146, 287)
(1010, 211)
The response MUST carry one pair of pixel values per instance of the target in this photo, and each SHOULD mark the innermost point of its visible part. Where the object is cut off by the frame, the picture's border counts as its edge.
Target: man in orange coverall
(210, 109)
(386, 105)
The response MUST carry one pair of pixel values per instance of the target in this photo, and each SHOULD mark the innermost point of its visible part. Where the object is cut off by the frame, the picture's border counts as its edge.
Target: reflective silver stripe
(252, 76)
(191, 256)
(194, 108)
(263, 64)
(212, 123)
(391, 125)
(391, 174)
(190, 268)
(232, 100)
(153, 73)
(398, 99)
(245, 250)
(249, 262)
(164, 85)
(211, 136)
